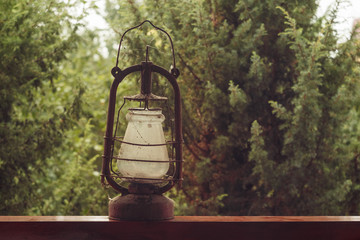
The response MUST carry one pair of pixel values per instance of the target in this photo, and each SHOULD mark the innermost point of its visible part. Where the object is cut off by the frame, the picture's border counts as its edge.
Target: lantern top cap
(145, 110)
(141, 114)
(145, 97)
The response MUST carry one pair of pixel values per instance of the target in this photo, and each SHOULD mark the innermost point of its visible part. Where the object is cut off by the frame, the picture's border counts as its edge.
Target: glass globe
(145, 128)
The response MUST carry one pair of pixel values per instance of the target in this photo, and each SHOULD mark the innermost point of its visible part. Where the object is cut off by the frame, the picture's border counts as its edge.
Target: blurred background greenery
(270, 96)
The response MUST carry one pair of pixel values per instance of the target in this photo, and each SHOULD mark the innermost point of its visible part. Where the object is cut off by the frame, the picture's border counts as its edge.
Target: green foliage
(263, 166)
(268, 93)
(48, 148)
(35, 37)
(270, 105)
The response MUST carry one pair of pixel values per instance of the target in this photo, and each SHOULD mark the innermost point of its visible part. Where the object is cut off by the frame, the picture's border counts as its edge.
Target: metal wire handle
(174, 71)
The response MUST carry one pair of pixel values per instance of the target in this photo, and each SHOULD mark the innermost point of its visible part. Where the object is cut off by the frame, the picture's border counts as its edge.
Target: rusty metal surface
(174, 71)
(141, 207)
(109, 138)
(109, 141)
(141, 201)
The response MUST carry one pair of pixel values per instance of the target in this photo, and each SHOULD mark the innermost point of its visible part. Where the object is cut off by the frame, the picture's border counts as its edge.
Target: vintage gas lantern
(143, 164)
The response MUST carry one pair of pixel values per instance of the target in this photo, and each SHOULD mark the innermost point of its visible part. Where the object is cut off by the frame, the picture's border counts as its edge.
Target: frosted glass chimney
(144, 128)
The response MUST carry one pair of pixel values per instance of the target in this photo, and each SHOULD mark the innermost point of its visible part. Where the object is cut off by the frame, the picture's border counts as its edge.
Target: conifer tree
(270, 105)
(270, 95)
(35, 38)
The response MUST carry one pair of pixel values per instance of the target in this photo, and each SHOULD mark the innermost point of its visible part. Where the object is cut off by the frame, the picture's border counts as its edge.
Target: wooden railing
(182, 227)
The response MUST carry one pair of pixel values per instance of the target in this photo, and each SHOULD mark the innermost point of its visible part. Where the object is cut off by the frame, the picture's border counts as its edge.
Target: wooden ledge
(182, 227)
(187, 219)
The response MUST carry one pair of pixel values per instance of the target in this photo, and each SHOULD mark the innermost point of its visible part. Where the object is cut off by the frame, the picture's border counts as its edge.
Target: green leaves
(261, 85)
(35, 36)
(237, 97)
(270, 103)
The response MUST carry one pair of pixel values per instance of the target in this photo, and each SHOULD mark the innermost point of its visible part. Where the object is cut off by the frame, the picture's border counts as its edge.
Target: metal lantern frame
(146, 69)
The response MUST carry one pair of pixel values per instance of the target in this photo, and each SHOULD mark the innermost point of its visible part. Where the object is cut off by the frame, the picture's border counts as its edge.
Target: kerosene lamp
(147, 165)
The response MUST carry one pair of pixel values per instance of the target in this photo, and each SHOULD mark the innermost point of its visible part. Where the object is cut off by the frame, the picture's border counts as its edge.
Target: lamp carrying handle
(174, 71)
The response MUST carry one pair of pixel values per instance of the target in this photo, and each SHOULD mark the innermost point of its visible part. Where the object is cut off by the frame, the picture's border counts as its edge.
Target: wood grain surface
(181, 227)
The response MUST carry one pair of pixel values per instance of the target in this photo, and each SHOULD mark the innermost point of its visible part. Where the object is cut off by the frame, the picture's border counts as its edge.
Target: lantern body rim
(141, 207)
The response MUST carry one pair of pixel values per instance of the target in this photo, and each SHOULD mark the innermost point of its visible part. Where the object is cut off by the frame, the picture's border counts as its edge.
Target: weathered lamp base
(139, 207)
